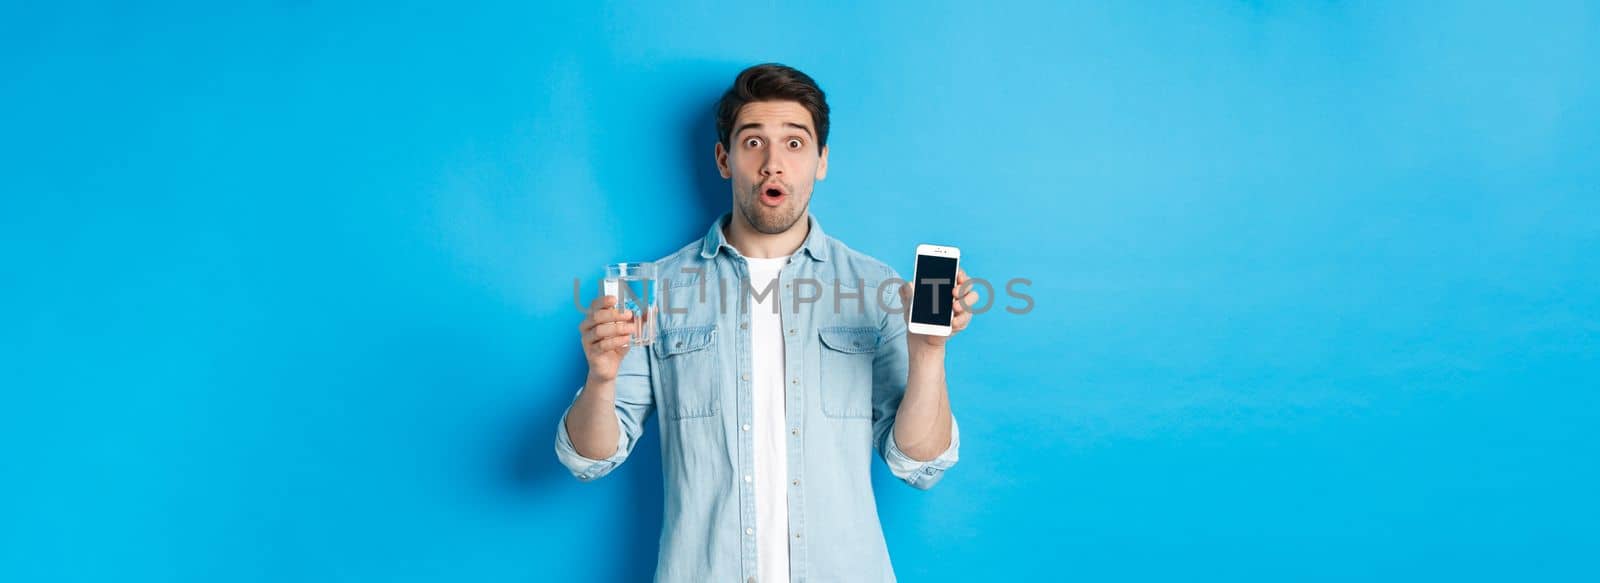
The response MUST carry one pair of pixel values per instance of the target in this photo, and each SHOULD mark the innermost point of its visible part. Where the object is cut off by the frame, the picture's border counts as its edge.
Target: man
(772, 393)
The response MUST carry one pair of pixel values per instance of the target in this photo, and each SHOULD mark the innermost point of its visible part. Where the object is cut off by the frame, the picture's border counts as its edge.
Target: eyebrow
(791, 124)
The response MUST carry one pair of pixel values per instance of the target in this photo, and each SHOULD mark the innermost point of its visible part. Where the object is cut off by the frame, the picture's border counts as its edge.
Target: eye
(752, 142)
(794, 143)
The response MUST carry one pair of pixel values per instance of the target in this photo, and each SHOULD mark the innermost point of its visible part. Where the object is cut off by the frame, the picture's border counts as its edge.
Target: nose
(772, 166)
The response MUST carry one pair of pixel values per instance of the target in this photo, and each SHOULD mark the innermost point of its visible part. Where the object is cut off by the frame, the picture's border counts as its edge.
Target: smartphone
(932, 299)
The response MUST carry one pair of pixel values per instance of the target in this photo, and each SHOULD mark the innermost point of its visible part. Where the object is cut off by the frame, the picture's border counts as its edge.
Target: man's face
(774, 161)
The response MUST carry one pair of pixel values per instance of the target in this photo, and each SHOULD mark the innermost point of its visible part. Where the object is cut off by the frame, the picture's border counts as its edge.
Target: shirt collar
(815, 245)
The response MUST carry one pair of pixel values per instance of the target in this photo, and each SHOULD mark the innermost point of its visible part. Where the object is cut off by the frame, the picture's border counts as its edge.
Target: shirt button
(745, 377)
(797, 535)
(744, 325)
(750, 580)
(791, 331)
(747, 477)
(795, 431)
(749, 531)
(797, 482)
(796, 381)
(746, 427)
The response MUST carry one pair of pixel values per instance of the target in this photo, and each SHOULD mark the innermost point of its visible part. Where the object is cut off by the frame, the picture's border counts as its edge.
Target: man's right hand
(604, 332)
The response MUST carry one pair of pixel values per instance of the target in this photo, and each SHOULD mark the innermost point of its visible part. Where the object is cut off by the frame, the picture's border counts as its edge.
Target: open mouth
(773, 194)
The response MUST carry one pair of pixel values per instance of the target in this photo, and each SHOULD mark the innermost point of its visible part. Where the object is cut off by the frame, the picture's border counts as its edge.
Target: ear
(722, 161)
(822, 164)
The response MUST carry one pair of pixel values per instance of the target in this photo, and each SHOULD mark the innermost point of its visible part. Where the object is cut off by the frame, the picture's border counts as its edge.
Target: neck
(753, 243)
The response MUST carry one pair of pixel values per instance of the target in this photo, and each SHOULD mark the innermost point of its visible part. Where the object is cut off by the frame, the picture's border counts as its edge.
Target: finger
(961, 282)
(960, 321)
(596, 307)
(967, 301)
(965, 296)
(606, 332)
(600, 346)
(618, 344)
(622, 328)
(612, 329)
(605, 316)
(599, 333)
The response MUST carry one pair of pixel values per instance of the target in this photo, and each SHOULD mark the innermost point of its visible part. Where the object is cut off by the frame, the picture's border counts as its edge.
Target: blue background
(287, 287)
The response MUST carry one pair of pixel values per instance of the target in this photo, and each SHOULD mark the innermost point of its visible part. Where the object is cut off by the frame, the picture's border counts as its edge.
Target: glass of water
(634, 285)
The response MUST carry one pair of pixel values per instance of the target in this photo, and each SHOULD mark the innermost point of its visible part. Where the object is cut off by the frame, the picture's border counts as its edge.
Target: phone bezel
(932, 251)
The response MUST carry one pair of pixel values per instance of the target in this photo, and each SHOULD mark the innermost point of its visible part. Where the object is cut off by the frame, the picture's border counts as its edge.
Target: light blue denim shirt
(845, 358)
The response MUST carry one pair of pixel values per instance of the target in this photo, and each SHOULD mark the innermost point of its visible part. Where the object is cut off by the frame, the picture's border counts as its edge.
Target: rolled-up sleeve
(891, 367)
(923, 475)
(584, 468)
(633, 405)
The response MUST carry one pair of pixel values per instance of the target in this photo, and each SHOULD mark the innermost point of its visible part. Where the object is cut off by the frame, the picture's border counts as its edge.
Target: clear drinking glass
(635, 286)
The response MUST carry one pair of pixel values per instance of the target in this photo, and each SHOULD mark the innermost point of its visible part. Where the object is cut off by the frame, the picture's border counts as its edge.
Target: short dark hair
(772, 82)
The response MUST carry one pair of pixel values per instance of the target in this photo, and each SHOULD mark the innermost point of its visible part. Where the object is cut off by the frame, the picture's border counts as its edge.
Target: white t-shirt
(771, 453)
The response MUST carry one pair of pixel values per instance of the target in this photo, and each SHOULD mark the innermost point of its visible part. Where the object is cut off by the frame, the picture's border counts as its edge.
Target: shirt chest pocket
(688, 372)
(845, 364)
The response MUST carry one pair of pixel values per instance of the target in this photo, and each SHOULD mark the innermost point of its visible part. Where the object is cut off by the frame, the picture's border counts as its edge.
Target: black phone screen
(932, 301)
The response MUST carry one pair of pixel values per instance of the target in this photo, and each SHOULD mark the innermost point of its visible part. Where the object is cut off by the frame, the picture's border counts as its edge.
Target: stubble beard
(770, 220)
